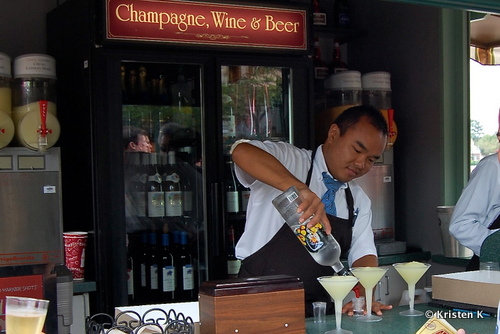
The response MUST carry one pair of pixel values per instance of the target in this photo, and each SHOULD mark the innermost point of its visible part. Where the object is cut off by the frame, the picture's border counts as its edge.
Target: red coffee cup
(74, 252)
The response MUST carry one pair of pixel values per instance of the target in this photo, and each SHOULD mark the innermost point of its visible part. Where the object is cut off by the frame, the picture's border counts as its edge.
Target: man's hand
(312, 207)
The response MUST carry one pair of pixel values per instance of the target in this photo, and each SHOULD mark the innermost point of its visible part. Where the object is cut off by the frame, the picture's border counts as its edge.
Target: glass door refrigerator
(164, 217)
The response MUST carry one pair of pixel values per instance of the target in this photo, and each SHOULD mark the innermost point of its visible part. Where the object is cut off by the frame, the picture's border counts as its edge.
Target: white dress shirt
(263, 220)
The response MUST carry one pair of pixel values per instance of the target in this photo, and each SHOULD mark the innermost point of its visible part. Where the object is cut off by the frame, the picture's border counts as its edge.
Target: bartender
(324, 178)
(477, 212)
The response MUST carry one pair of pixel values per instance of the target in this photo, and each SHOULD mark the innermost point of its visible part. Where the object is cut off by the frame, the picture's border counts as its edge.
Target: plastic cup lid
(35, 65)
(376, 81)
(350, 80)
(5, 65)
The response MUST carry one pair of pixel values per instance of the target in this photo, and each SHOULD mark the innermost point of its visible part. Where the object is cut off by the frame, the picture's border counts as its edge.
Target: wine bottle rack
(155, 320)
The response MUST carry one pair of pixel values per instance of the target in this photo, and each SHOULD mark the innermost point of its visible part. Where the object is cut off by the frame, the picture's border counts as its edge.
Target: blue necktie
(329, 197)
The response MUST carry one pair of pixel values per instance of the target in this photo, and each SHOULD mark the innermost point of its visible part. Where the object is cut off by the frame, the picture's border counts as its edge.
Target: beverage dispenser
(31, 251)
(34, 101)
(378, 183)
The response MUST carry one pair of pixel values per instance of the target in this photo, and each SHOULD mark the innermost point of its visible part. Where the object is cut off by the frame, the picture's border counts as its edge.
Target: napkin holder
(266, 304)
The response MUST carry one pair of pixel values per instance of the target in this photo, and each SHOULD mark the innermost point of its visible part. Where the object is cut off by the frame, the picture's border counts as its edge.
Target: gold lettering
(117, 13)
(280, 26)
(181, 20)
(222, 20)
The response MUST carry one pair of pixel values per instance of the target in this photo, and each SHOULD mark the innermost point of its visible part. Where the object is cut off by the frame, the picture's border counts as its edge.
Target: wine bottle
(130, 276)
(167, 270)
(187, 188)
(320, 67)
(245, 197)
(184, 270)
(156, 196)
(152, 264)
(232, 195)
(323, 248)
(337, 64)
(172, 188)
(319, 15)
(143, 256)
(341, 18)
(233, 263)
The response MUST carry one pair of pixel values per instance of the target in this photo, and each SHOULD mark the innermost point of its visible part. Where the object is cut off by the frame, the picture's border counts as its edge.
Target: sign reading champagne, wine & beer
(205, 23)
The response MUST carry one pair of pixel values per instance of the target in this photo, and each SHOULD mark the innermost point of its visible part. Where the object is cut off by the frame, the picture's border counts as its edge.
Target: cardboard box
(267, 304)
(480, 287)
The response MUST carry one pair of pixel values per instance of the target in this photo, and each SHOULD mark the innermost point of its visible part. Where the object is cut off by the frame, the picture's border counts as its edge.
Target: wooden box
(266, 304)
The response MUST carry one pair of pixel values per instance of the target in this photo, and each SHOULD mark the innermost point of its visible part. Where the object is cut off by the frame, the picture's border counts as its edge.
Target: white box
(479, 287)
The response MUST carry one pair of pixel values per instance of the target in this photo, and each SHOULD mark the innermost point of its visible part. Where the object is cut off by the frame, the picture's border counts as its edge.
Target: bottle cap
(344, 80)
(35, 65)
(5, 66)
(376, 81)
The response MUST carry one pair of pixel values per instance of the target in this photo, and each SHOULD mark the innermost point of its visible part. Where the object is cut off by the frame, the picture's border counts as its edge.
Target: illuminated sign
(204, 23)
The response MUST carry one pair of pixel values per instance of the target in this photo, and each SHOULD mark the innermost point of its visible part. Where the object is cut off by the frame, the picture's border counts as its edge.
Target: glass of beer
(25, 315)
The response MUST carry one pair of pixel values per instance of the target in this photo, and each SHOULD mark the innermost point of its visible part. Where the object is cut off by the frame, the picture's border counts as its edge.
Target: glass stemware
(368, 277)
(338, 287)
(411, 273)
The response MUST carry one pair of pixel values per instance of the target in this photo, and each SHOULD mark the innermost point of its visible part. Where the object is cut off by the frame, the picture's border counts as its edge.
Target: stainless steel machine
(31, 247)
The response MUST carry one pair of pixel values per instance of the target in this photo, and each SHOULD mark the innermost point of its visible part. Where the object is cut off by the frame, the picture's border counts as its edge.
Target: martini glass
(411, 273)
(338, 287)
(368, 277)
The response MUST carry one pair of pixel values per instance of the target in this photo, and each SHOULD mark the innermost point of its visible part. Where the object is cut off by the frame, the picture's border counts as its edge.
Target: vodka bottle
(323, 248)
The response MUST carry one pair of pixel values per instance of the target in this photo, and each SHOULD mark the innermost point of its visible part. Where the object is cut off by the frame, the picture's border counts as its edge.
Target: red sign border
(302, 10)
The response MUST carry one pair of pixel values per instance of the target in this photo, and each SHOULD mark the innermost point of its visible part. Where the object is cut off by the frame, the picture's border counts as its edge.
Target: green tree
(488, 144)
(476, 130)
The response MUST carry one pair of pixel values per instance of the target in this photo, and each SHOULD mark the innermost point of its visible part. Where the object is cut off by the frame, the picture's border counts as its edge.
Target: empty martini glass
(368, 277)
(338, 287)
(411, 273)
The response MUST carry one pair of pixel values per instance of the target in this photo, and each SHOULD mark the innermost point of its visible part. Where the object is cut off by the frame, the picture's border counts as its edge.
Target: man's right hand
(312, 206)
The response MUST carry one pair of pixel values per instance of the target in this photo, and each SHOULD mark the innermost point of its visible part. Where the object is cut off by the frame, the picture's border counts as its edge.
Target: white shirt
(478, 206)
(263, 220)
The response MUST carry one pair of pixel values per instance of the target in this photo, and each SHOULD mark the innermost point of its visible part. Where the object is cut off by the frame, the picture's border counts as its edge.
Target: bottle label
(232, 201)
(188, 277)
(320, 72)
(173, 203)
(174, 177)
(143, 275)
(168, 283)
(154, 277)
(187, 197)
(130, 282)
(139, 199)
(229, 126)
(156, 204)
(310, 237)
(233, 267)
(319, 19)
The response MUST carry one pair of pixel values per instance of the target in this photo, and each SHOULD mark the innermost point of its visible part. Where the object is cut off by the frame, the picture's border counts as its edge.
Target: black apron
(474, 261)
(284, 254)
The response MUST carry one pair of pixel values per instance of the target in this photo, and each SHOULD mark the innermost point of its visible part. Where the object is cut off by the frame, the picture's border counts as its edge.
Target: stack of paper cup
(34, 101)
(6, 123)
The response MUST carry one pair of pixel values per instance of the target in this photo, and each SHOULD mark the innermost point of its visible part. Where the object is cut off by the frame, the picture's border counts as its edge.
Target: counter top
(394, 323)
(84, 286)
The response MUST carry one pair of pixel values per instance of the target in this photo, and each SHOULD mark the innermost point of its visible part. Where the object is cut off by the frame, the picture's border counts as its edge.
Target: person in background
(477, 213)
(136, 140)
(268, 246)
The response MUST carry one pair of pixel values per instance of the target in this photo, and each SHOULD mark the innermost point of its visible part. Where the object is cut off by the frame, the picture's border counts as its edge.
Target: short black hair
(131, 134)
(352, 115)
